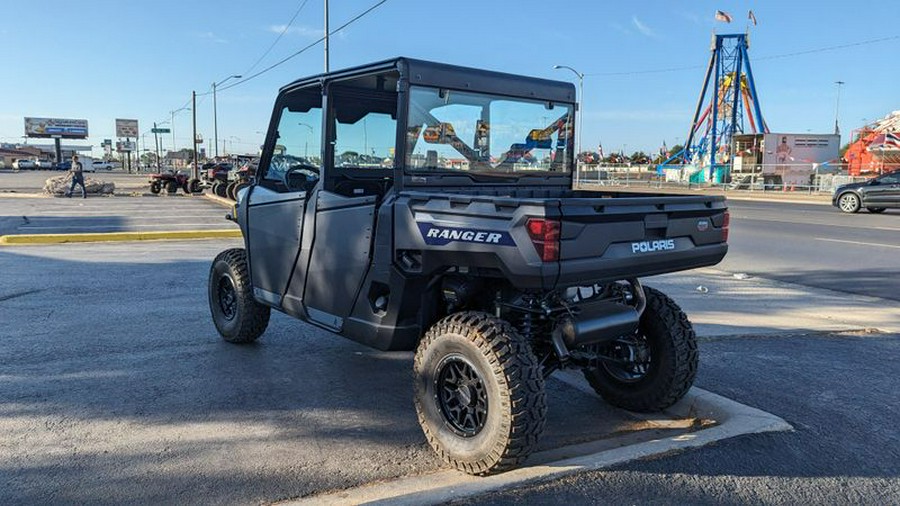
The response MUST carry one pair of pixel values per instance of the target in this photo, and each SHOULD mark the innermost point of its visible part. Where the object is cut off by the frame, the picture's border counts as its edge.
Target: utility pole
(837, 107)
(215, 112)
(195, 173)
(156, 142)
(326, 36)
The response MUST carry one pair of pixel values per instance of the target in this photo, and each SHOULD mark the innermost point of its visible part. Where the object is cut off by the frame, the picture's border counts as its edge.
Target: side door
(890, 189)
(362, 128)
(286, 178)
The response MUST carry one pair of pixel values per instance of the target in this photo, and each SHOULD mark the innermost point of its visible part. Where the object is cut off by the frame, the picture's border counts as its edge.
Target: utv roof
(426, 73)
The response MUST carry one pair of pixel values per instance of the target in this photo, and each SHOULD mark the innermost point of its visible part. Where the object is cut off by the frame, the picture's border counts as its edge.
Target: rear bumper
(587, 271)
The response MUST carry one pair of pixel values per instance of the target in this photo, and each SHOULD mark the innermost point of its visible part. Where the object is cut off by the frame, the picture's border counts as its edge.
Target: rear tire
(195, 186)
(171, 187)
(479, 393)
(221, 190)
(849, 202)
(236, 315)
(229, 190)
(664, 360)
(876, 210)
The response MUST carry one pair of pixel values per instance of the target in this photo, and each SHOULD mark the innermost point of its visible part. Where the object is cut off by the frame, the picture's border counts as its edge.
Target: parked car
(24, 164)
(44, 164)
(875, 195)
(102, 165)
(63, 166)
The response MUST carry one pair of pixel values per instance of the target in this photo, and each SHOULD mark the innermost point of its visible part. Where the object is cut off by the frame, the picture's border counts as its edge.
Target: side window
(365, 142)
(890, 180)
(297, 155)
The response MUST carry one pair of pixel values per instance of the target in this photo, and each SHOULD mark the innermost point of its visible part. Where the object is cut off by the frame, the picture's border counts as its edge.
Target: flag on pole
(664, 150)
(723, 17)
(751, 17)
(600, 150)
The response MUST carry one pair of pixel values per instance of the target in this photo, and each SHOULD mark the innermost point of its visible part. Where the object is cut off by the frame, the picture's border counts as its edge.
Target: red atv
(172, 181)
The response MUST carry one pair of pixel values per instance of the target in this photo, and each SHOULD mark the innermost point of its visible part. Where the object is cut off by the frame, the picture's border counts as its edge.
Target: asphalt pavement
(32, 181)
(839, 392)
(110, 214)
(817, 246)
(116, 388)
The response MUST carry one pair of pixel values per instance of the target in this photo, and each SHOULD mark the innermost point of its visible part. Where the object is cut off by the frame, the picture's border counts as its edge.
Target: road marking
(860, 243)
(440, 487)
(119, 226)
(796, 222)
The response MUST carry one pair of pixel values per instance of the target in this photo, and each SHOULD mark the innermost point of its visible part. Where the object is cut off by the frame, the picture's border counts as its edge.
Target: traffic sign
(160, 131)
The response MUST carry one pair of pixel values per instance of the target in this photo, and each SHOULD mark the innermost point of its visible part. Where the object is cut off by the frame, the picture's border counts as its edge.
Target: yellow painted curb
(19, 239)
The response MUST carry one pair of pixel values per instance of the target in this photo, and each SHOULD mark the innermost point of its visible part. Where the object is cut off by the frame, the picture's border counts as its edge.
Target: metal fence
(799, 178)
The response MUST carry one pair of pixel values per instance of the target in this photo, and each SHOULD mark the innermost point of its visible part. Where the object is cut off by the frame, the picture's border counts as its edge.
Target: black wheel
(221, 190)
(239, 187)
(171, 187)
(229, 190)
(849, 202)
(876, 210)
(479, 393)
(195, 186)
(155, 187)
(237, 316)
(214, 188)
(654, 368)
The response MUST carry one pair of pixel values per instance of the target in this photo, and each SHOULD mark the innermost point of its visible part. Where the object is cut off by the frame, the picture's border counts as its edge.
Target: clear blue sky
(102, 59)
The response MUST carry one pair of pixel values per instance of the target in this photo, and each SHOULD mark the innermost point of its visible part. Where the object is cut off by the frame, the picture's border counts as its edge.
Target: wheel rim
(632, 359)
(227, 297)
(461, 395)
(848, 203)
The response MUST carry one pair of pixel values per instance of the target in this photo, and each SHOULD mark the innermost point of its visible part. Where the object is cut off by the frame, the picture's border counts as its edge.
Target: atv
(172, 181)
(457, 234)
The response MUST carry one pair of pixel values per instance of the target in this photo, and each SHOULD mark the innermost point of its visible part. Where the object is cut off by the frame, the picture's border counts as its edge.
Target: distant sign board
(124, 146)
(127, 128)
(160, 130)
(56, 127)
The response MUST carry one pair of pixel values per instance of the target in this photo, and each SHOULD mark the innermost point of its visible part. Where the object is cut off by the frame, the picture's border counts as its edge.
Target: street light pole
(215, 112)
(580, 106)
(306, 143)
(837, 107)
(173, 113)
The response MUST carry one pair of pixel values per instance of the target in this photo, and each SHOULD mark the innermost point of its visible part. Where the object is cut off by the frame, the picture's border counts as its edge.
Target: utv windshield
(456, 130)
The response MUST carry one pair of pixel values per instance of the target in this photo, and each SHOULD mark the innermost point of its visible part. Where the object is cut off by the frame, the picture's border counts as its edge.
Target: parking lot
(117, 387)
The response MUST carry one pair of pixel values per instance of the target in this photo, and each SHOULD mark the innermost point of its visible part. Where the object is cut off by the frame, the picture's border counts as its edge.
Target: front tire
(236, 315)
(479, 393)
(155, 187)
(660, 360)
(171, 187)
(849, 202)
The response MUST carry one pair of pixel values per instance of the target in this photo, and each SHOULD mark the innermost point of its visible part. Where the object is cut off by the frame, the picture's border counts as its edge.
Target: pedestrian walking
(77, 173)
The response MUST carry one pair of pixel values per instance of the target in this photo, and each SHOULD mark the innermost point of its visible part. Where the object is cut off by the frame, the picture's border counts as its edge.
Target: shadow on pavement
(115, 387)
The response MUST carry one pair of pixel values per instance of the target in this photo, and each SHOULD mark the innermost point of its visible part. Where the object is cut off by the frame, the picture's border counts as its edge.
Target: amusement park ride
(728, 98)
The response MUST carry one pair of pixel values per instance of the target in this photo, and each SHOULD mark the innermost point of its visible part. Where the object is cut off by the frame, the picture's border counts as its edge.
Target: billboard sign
(124, 146)
(56, 127)
(782, 152)
(127, 128)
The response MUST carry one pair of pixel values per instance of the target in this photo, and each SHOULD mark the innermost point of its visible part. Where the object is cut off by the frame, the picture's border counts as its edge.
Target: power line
(304, 49)
(761, 58)
(280, 35)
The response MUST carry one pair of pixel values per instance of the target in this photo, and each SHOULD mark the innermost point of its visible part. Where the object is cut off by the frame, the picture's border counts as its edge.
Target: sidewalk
(720, 304)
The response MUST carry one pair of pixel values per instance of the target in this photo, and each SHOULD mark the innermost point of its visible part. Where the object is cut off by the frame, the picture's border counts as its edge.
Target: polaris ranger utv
(411, 205)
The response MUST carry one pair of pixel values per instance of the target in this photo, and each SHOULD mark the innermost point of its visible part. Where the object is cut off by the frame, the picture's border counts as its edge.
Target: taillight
(725, 223)
(544, 234)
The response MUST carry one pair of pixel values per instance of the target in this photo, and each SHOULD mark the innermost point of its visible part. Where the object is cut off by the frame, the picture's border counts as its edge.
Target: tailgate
(604, 239)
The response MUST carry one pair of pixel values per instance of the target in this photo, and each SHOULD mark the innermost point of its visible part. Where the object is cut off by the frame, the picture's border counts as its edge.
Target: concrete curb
(27, 239)
(219, 200)
(734, 419)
